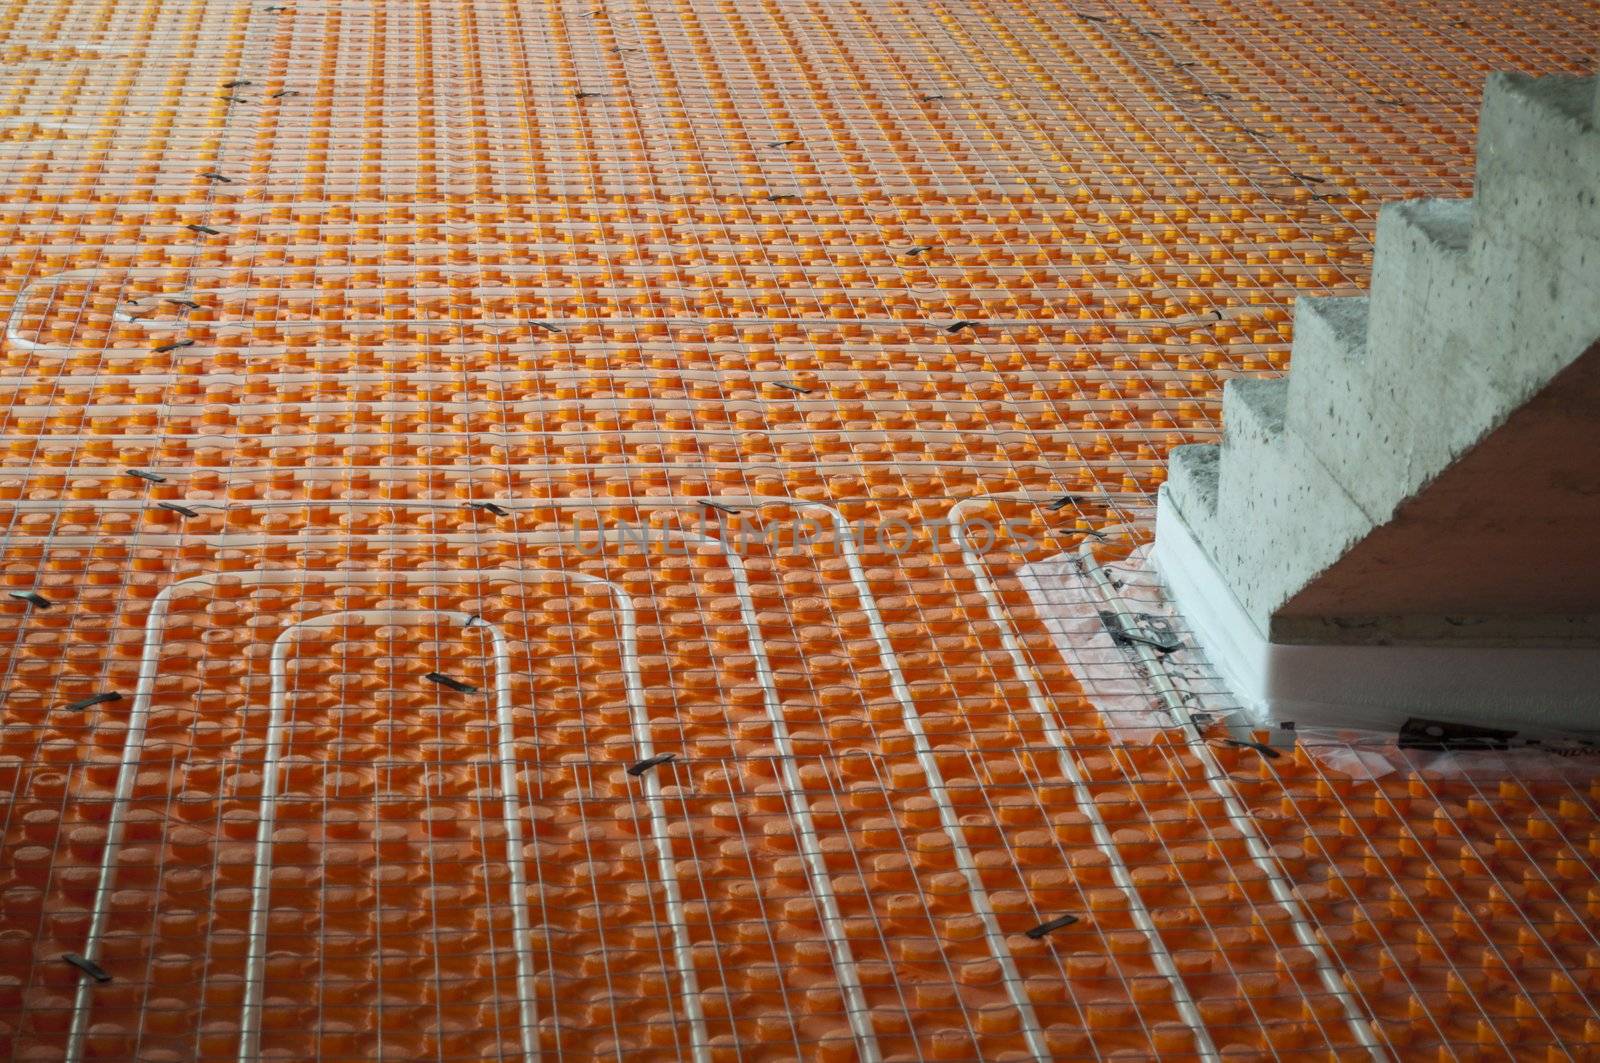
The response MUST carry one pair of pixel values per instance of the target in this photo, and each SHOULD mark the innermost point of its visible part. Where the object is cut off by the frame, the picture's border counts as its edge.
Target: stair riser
(1422, 282)
(1192, 477)
(1278, 509)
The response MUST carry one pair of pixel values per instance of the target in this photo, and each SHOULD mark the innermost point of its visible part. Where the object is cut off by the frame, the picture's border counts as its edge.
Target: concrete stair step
(1328, 366)
(1536, 244)
(1271, 487)
(1193, 469)
(1420, 264)
(1538, 145)
(1386, 414)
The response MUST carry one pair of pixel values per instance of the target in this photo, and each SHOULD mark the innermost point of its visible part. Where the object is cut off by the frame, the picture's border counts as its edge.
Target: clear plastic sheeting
(1375, 755)
(1075, 613)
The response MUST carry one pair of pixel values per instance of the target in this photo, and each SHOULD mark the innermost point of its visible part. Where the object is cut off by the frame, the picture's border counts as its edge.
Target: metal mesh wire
(396, 306)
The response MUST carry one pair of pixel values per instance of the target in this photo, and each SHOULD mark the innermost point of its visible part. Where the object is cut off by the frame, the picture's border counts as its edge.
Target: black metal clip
(781, 196)
(1062, 503)
(1054, 924)
(212, 175)
(204, 229)
(151, 477)
(236, 84)
(187, 304)
(582, 94)
(790, 387)
(718, 506)
(958, 326)
(174, 346)
(645, 765)
(281, 94)
(920, 249)
(87, 966)
(782, 143)
(1419, 733)
(490, 507)
(544, 325)
(89, 703)
(182, 511)
(33, 598)
(1123, 636)
(1260, 747)
(454, 684)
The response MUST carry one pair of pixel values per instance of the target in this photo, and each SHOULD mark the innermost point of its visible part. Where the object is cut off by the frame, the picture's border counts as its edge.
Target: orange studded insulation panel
(476, 486)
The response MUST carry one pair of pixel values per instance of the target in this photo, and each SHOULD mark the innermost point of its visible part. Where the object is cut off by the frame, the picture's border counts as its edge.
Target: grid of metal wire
(335, 336)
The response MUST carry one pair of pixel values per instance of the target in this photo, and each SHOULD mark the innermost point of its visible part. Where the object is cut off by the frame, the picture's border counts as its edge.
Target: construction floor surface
(515, 519)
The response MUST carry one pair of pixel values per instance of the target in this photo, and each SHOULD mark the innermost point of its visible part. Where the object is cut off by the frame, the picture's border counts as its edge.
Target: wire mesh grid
(357, 324)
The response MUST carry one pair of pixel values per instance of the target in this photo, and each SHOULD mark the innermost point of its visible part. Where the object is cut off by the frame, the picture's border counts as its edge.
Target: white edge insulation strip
(1371, 687)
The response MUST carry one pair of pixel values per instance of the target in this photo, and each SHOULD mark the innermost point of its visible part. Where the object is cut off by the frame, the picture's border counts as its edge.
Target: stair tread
(1266, 397)
(1571, 97)
(1447, 222)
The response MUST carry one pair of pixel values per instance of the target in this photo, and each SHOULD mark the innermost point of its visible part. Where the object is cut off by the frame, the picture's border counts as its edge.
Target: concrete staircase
(1428, 474)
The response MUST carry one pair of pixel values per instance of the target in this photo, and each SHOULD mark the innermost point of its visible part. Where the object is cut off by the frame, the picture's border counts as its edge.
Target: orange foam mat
(479, 579)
